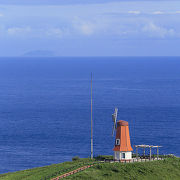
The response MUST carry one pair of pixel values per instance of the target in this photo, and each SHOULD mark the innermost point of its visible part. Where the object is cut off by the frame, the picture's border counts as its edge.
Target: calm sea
(45, 106)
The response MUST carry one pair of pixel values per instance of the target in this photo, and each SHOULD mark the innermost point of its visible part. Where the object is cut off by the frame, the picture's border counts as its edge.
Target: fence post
(150, 154)
(136, 152)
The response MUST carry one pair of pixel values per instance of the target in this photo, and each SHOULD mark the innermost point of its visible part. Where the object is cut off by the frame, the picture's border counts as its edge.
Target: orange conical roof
(122, 133)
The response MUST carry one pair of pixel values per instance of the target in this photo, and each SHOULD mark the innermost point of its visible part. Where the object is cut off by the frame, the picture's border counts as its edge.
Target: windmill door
(118, 155)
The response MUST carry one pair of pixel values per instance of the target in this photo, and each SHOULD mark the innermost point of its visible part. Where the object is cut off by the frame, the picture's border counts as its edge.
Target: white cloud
(84, 27)
(87, 28)
(165, 13)
(1, 15)
(157, 31)
(57, 32)
(41, 32)
(134, 12)
(158, 12)
(18, 30)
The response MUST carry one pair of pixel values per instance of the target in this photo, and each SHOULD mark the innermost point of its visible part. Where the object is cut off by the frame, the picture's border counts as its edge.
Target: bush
(103, 157)
(75, 158)
(99, 166)
(115, 169)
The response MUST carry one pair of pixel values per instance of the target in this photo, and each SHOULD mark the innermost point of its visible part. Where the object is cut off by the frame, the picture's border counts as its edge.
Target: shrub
(75, 158)
(114, 169)
(103, 157)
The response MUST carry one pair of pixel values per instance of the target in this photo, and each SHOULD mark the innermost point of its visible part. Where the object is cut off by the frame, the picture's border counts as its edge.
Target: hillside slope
(166, 169)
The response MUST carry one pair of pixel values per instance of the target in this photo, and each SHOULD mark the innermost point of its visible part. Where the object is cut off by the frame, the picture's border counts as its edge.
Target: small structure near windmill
(150, 148)
(122, 148)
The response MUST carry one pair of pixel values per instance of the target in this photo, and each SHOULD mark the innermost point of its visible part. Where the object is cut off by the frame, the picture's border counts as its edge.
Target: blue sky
(89, 28)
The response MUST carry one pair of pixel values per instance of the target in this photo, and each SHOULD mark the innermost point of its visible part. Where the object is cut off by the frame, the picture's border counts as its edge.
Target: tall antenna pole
(91, 123)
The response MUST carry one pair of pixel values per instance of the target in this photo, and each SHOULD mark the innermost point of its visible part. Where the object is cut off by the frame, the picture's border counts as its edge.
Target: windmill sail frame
(114, 119)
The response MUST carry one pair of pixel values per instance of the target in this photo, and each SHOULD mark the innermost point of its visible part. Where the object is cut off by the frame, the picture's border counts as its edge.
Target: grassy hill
(166, 169)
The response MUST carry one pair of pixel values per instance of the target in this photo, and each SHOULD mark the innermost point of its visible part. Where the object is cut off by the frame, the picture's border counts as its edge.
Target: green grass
(42, 172)
(156, 170)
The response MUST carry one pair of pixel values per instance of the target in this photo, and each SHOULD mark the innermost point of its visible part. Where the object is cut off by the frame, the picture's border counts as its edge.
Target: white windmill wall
(119, 155)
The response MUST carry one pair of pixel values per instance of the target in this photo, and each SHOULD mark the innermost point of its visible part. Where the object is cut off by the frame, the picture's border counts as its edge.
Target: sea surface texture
(45, 107)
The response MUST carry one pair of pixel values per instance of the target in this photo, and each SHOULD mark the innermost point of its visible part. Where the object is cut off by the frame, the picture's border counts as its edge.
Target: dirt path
(72, 172)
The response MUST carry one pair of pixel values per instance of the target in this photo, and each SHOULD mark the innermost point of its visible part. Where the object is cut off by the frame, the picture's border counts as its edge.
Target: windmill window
(117, 141)
(123, 155)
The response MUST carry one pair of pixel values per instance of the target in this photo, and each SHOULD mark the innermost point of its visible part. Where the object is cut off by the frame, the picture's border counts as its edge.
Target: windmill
(114, 119)
(122, 147)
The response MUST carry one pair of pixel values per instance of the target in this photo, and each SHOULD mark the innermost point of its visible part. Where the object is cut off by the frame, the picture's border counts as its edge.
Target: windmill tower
(122, 148)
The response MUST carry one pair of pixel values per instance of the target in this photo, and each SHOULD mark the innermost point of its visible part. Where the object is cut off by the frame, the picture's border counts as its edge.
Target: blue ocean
(45, 106)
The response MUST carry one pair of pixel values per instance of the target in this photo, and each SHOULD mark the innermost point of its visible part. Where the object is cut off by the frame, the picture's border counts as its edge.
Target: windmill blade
(114, 116)
(114, 119)
(114, 127)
